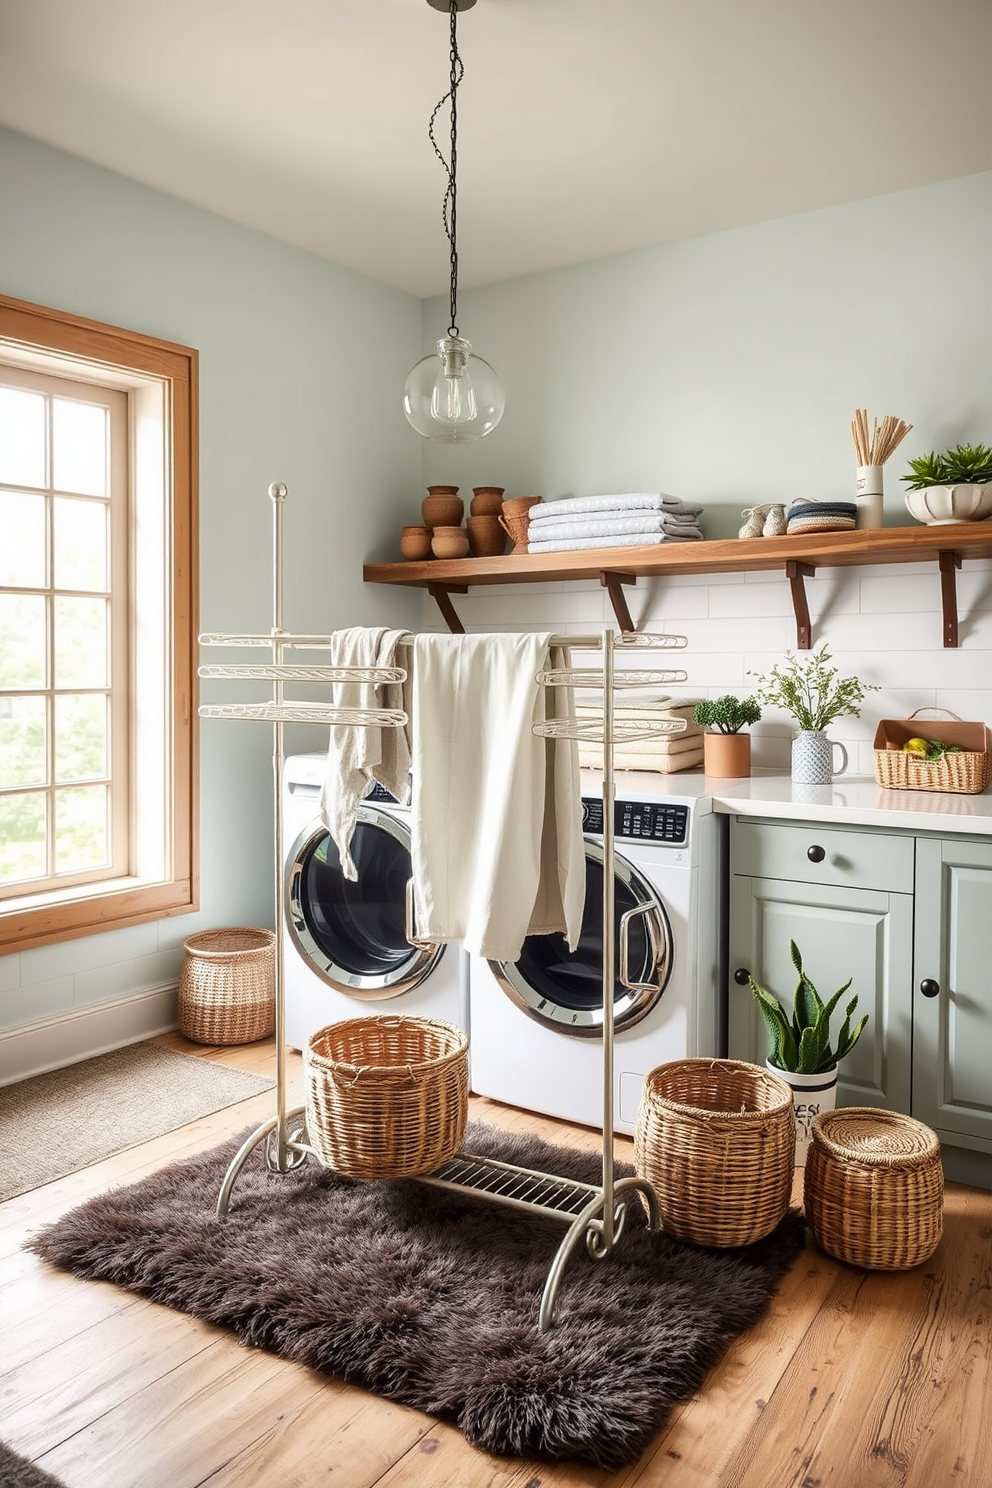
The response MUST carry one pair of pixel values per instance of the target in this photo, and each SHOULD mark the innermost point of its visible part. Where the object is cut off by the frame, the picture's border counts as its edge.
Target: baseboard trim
(52, 1043)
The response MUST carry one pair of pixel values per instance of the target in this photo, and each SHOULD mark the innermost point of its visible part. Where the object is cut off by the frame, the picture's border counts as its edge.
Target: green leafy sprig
(812, 690)
(728, 714)
(964, 465)
(802, 1044)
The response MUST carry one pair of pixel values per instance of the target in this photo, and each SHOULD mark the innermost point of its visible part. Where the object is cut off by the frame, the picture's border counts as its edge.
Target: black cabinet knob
(929, 987)
(816, 853)
(741, 976)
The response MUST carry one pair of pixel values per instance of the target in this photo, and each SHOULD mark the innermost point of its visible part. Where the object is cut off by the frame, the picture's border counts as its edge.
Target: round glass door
(564, 989)
(353, 934)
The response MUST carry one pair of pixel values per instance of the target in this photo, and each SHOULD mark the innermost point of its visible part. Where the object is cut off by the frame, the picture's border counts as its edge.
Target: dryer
(345, 949)
(537, 1021)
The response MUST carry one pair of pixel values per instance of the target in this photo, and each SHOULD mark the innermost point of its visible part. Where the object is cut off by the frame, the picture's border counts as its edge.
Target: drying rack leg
(599, 1238)
(284, 1154)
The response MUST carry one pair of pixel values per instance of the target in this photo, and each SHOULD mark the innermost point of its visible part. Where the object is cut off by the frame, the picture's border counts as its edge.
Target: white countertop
(854, 799)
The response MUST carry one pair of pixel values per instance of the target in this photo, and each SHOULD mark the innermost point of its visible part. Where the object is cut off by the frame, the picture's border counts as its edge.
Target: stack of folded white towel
(666, 753)
(636, 520)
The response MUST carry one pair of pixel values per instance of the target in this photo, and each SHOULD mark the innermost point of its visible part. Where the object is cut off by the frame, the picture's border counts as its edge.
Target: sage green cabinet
(845, 897)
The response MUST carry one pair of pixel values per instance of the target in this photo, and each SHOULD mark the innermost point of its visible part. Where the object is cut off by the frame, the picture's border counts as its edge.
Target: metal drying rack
(593, 1213)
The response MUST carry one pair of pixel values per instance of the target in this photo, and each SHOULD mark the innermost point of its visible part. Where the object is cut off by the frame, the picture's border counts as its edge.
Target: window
(97, 626)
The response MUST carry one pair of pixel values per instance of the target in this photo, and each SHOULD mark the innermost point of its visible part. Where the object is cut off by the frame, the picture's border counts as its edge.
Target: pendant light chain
(449, 207)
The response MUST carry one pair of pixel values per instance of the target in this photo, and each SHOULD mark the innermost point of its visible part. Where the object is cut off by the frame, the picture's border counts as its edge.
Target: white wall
(725, 369)
(300, 363)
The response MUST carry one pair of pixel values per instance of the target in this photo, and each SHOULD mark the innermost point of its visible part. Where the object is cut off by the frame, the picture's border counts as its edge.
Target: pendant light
(452, 396)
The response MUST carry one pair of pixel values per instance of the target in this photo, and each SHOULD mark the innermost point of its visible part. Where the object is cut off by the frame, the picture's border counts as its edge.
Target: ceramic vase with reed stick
(872, 451)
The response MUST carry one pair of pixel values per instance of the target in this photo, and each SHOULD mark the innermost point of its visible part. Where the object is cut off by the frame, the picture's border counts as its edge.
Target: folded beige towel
(664, 752)
(625, 759)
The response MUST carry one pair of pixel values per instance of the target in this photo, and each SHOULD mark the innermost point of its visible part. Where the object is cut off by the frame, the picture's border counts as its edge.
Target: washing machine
(537, 1022)
(345, 946)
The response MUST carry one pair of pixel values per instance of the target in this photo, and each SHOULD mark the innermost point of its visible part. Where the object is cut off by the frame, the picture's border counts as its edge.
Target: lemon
(915, 746)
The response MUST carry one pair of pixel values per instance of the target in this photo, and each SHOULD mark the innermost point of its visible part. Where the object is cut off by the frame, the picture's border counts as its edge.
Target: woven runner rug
(432, 1298)
(66, 1119)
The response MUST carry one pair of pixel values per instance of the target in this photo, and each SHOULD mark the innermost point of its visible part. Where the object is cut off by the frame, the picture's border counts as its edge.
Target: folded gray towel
(589, 506)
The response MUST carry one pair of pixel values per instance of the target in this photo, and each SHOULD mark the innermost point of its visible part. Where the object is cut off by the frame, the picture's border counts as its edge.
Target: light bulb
(453, 397)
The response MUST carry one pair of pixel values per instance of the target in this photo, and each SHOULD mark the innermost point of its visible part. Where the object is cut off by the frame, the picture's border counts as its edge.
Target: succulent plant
(964, 465)
(728, 714)
(802, 1044)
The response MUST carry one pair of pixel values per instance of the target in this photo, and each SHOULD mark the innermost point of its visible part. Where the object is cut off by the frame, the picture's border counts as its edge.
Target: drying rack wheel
(386, 1097)
(716, 1139)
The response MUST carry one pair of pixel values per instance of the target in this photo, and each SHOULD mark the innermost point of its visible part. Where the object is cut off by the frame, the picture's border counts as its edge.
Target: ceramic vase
(449, 542)
(727, 756)
(487, 501)
(811, 1095)
(813, 758)
(415, 543)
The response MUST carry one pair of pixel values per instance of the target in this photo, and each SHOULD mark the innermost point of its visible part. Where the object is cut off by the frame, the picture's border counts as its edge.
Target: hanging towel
(357, 756)
(497, 816)
(634, 501)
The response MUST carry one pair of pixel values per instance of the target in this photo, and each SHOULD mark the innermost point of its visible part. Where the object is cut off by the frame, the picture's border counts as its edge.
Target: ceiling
(586, 127)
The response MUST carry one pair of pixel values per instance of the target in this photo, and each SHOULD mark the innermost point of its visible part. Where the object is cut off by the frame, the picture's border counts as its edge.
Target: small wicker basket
(716, 1138)
(874, 1188)
(966, 771)
(386, 1097)
(227, 986)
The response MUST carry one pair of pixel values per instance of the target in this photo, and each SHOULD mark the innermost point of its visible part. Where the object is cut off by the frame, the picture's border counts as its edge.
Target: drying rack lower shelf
(580, 1206)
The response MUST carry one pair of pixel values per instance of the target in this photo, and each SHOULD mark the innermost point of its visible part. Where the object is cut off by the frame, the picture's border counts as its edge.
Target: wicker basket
(874, 1188)
(968, 771)
(716, 1139)
(386, 1097)
(227, 986)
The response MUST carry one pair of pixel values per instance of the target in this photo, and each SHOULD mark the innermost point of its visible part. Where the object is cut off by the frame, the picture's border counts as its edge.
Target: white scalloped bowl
(937, 505)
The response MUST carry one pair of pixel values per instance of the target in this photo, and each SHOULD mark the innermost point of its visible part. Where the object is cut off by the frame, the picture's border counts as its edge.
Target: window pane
(22, 741)
(22, 437)
(22, 837)
(22, 640)
(22, 538)
(80, 737)
(79, 447)
(80, 531)
(81, 828)
(80, 642)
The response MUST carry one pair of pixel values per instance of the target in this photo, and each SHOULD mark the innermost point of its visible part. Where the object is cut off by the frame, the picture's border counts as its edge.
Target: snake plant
(802, 1044)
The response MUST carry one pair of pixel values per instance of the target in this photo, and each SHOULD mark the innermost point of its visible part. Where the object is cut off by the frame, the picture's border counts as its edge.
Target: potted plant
(726, 750)
(800, 1051)
(815, 694)
(955, 486)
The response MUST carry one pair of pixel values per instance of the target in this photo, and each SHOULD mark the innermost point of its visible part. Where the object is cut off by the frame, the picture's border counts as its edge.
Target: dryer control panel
(651, 821)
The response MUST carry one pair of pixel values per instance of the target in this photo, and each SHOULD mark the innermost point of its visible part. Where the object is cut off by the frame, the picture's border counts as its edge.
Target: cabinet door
(952, 1045)
(865, 934)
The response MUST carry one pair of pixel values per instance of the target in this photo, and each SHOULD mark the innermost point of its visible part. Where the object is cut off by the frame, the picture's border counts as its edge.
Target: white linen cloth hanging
(497, 848)
(357, 756)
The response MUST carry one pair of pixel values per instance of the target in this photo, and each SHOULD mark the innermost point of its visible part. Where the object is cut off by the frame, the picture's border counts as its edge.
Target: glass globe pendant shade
(453, 397)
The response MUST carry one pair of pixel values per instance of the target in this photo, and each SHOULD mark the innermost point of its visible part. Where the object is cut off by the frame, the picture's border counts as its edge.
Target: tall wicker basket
(716, 1138)
(227, 986)
(874, 1188)
(386, 1097)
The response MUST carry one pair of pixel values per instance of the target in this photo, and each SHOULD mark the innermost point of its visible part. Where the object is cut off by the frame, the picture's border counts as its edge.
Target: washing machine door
(563, 989)
(353, 934)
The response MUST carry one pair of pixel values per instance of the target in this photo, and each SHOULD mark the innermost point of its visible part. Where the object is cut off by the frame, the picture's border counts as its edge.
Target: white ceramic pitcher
(813, 758)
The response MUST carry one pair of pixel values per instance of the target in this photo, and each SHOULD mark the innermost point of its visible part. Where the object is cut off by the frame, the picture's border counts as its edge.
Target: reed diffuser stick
(885, 437)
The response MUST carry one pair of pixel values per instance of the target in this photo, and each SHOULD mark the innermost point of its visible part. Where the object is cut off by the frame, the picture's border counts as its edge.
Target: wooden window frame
(27, 331)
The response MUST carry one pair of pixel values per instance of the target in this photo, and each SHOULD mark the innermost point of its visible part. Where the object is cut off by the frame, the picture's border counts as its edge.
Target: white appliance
(537, 1021)
(345, 947)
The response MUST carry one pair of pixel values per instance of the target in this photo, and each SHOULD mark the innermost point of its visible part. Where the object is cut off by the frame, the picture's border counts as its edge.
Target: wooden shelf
(797, 558)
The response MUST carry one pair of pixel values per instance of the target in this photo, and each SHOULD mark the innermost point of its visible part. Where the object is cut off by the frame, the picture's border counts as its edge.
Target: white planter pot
(811, 1094)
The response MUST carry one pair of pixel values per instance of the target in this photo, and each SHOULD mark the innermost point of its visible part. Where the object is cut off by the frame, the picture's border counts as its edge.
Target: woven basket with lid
(227, 986)
(716, 1138)
(874, 1188)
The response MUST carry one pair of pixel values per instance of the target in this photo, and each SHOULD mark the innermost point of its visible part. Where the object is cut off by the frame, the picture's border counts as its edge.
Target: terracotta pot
(449, 542)
(727, 756)
(442, 490)
(486, 538)
(487, 501)
(442, 511)
(415, 542)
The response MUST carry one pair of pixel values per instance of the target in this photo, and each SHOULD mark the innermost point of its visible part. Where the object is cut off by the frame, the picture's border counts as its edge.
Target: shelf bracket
(948, 563)
(612, 582)
(796, 573)
(439, 593)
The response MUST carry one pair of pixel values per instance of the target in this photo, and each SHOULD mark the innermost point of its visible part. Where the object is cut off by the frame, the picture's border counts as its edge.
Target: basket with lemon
(943, 754)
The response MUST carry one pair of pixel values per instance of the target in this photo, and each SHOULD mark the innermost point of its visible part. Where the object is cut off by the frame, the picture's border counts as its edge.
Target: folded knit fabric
(820, 524)
(591, 758)
(626, 540)
(609, 526)
(635, 501)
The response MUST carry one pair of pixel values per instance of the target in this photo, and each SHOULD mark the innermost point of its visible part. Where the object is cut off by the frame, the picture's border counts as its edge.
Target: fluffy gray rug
(19, 1472)
(432, 1299)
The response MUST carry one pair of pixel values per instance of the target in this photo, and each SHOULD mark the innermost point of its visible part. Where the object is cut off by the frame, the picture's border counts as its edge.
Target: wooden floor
(852, 1379)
